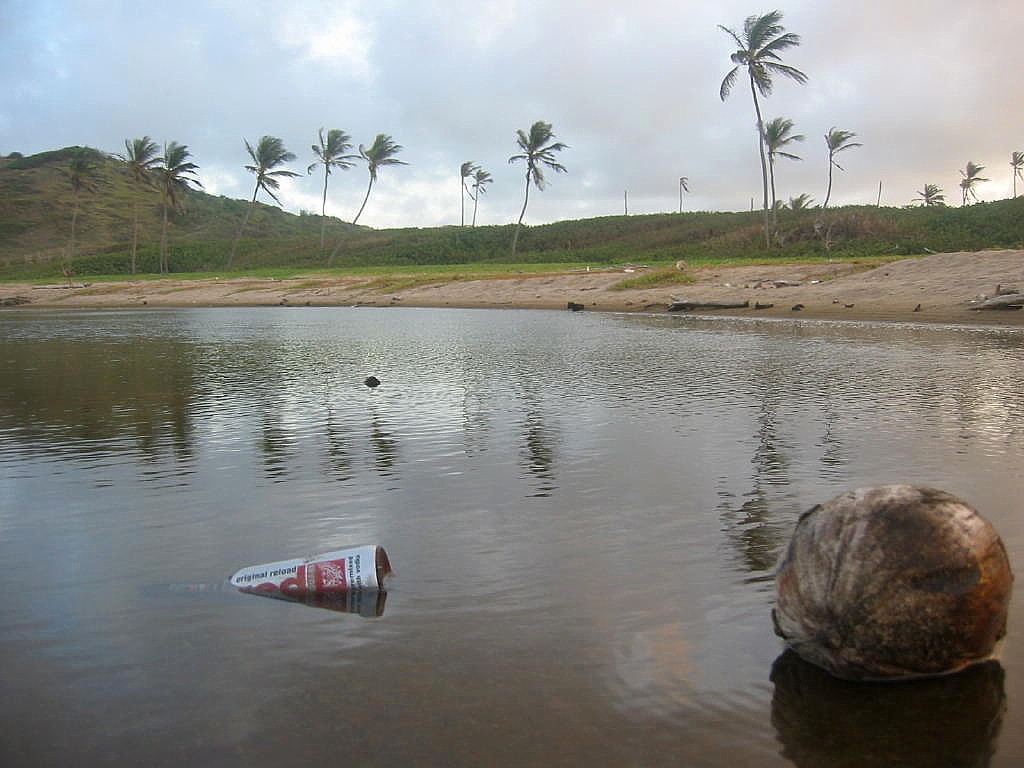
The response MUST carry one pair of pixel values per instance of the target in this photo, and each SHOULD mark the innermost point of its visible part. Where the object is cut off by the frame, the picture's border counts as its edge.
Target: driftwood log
(1006, 301)
(892, 582)
(684, 306)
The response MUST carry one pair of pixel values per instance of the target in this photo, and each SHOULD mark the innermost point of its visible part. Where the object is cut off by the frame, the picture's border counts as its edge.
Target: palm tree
(971, 177)
(778, 133)
(801, 202)
(141, 157)
(837, 141)
(82, 174)
(760, 44)
(684, 186)
(268, 154)
(931, 195)
(539, 152)
(330, 153)
(481, 179)
(382, 152)
(466, 170)
(175, 173)
(1017, 166)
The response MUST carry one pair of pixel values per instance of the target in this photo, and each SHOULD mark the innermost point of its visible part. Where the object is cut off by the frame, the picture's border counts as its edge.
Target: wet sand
(935, 289)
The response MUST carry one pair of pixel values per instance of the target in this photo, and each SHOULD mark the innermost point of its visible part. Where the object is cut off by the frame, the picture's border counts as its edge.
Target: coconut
(892, 582)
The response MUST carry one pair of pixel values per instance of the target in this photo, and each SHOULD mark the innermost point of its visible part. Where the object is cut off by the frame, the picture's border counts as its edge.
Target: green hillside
(36, 206)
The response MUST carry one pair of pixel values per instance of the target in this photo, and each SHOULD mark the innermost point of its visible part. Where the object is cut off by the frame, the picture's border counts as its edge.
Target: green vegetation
(659, 278)
(37, 204)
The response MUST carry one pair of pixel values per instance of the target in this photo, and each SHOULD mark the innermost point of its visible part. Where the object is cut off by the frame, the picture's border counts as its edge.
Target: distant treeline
(36, 206)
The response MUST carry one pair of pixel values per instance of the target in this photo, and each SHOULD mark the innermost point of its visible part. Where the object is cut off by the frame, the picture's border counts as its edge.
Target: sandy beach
(941, 288)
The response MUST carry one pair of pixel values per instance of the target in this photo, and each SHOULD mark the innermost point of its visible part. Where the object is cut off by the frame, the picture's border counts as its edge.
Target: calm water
(582, 511)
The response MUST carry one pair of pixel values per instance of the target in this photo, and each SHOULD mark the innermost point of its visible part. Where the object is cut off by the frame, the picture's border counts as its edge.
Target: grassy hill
(36, 205)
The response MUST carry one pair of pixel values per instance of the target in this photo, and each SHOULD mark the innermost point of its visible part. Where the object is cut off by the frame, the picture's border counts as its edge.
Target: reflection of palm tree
(385, 448)
(338, 458)
(760, 43)
(539, 453)
(753, 530)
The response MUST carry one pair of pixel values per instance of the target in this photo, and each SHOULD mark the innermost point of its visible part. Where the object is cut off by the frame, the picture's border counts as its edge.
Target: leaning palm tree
(539, 152)
(142, 159)
(1017, 166)
(466, 170)
(330, 153)
(82, 170)
(481, 179)
(931, 195)
(382, 152)
(267, 155)
(778, 133)
(684, 186)
(174, 173)
(837, 141)
(971, 177)
(762, 40)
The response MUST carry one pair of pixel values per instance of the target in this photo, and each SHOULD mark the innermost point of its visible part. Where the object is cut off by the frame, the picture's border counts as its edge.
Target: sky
(631, 88)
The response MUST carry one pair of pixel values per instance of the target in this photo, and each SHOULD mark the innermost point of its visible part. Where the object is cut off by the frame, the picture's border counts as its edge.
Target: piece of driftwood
(684, 306)
(14, 301)
(572, 306)
(1008, 301)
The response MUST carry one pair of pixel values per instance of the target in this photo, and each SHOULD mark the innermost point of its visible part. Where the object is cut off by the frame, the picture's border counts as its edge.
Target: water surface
(582, 510)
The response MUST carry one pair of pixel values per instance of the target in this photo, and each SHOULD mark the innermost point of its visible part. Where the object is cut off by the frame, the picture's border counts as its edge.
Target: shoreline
(933, 289)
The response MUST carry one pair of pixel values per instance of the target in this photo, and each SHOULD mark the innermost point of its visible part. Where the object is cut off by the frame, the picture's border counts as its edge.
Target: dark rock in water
(574, 307)
(892, 582)
(372, 382)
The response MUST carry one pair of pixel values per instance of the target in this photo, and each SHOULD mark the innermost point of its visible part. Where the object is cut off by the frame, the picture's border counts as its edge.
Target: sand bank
(941, 288)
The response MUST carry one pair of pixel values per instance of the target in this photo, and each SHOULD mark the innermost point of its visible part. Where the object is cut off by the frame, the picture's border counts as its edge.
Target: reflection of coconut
(823, 722)
(893, 581)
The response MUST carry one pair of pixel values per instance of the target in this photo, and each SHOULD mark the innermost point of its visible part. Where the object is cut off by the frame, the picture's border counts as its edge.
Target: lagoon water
(582, 510)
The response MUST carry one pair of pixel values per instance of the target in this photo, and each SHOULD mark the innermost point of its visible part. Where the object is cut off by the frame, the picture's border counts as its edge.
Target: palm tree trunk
(323, 212)
(135, 233)
(764, 162)
(164, 268)
(74, 221)
(828, 192)
(775, 202)
(238, 235)
(462, 198)
(476, 200)
(519, 224)
(368, 188)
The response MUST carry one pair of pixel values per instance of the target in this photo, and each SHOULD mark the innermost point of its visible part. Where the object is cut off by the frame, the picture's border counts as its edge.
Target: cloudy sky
(632, 87)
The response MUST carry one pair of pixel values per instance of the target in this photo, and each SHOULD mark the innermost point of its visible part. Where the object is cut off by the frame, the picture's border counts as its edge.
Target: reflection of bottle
(824, 722)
